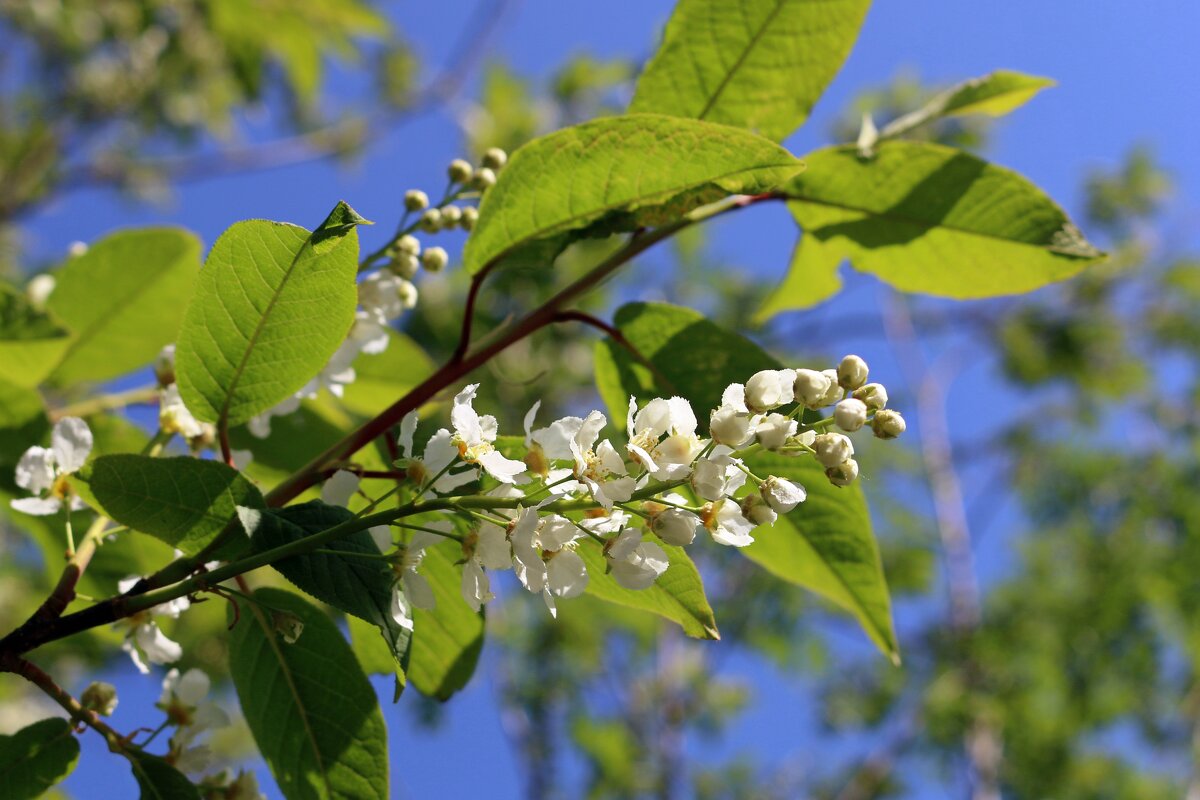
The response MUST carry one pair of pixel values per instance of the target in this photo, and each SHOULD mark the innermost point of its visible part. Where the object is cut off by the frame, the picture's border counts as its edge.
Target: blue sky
(1126, 74)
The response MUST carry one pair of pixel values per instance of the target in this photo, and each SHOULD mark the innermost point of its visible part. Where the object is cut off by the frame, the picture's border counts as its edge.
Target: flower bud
(451, 216)
(843, 474)
(834, 393)
(833, 448)
(852, 372)
(416, 200)
(460, 171)
(873, 394)
(495, 158)
(470, 215)
(757, 510)
(287, 625)
(781, 494)
(434, 259)
(39, 288)
(811, 387)
(888, 424)
(484, 179)
(769, 389)
(708, 479)
(405, 265)
(850, 414)
(408, 245)
(164, 366)
(100, 697)
(729, 427)
(407, 292)
(675, 526)
(431, 220)
(774, 430)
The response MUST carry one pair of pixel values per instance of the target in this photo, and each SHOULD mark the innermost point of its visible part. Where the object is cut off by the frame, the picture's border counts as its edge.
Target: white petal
(71, 441)
(135, 656)
(557, 439)
(489, 428)
(557, 531)
(408, 427)
(610, 459)
(401, 609)
(35, 470)
(683, 419)
(339, 488)
(382, 536)
(192, 687)
(492, 548)
(624, 545)
(418, 591)
(732, 529)
(589, 430)
(37, 506)
(157, 648)
(476, 589)
(566, 574)
(530, 416)
(463, 416)
(501, 467)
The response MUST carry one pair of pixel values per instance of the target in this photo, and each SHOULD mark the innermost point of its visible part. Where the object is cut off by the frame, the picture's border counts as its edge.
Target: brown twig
(38, 677)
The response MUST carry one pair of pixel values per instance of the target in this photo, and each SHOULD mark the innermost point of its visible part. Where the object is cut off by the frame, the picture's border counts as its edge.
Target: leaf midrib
(286, 671)
(223, 416)
(741, 59)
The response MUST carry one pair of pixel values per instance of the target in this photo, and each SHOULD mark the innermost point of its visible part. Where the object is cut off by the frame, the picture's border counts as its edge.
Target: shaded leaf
(308, 704)
(123, 299)
(272, 304)
(158, 780)
(758, 64)
(925, 218)
(186, 502)
(23, 423)
(36, 757)
(31, 341)
(615, 174)
(382, 379)
(447, 639)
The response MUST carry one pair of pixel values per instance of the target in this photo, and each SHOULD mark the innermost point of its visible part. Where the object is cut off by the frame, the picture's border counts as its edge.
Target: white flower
(164, 366)
(544, 557)
(368, 334)
(888, 424)
(773, 430)
(728, 525)
(476, 589)
(173, 415)
(39, 288)
(439, 453)
(782, 494)
(338, 489)
(832, 448)
(601, 469)
(852, 372)
(635, 564)
(835, 391)
(183, 701)
(769, 389)
(811, 387)
(411, 589)
(474, 435)
(850, 414)
(757, 510)
(42, 471)
(379, 294)
(671, 457)
(675, 526)
(718, 475)
(566, 576)
(144, 641)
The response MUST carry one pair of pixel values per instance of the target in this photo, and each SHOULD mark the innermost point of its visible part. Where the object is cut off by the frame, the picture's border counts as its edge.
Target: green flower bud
(888, 424)
(852, 372)
(100, 697)
(484, 179)
(431, 220)
(460, 171)
(416, 200)
(409, 245)
(451, 216)
(405, 265)
(434, 259)
(495, 158)
(470, 215)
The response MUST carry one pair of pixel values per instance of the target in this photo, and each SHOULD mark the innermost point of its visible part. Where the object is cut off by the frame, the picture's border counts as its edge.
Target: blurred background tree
(1069, 672)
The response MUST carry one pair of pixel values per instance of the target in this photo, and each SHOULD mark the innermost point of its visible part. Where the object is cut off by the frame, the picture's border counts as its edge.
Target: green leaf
(678, 595)
(186, 502)
(614, 174)
(308, 704)
(158, 780)
(272, 304)
(925, 218)
(23, 423)
(123, 299)
(825, 545)
(447, 639)
(354, 583)
(31, 341)
(758, 64)
(382, 379)
(35, 758)
(833, 551)
(994, 94)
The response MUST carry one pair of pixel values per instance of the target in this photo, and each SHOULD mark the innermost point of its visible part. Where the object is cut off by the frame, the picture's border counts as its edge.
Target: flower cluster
(579, 501)
(44, 471)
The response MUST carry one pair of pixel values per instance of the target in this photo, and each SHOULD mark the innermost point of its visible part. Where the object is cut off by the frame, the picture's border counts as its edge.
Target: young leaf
(925, 218)
(31, 341)
(272, 304)
(994, 94)
(825, 545)
(122, 299)
(677, 595)
(158, 780)
(308, 704)
(355, 583)
(757, 64)
(36, 757)
(186, 502)
(832, 550)
(448, 638)
(617, 173)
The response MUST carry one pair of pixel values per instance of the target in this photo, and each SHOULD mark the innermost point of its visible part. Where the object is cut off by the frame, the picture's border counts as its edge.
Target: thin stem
(38, 677)
(226, 450)
(106, 402)
(446, 534)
